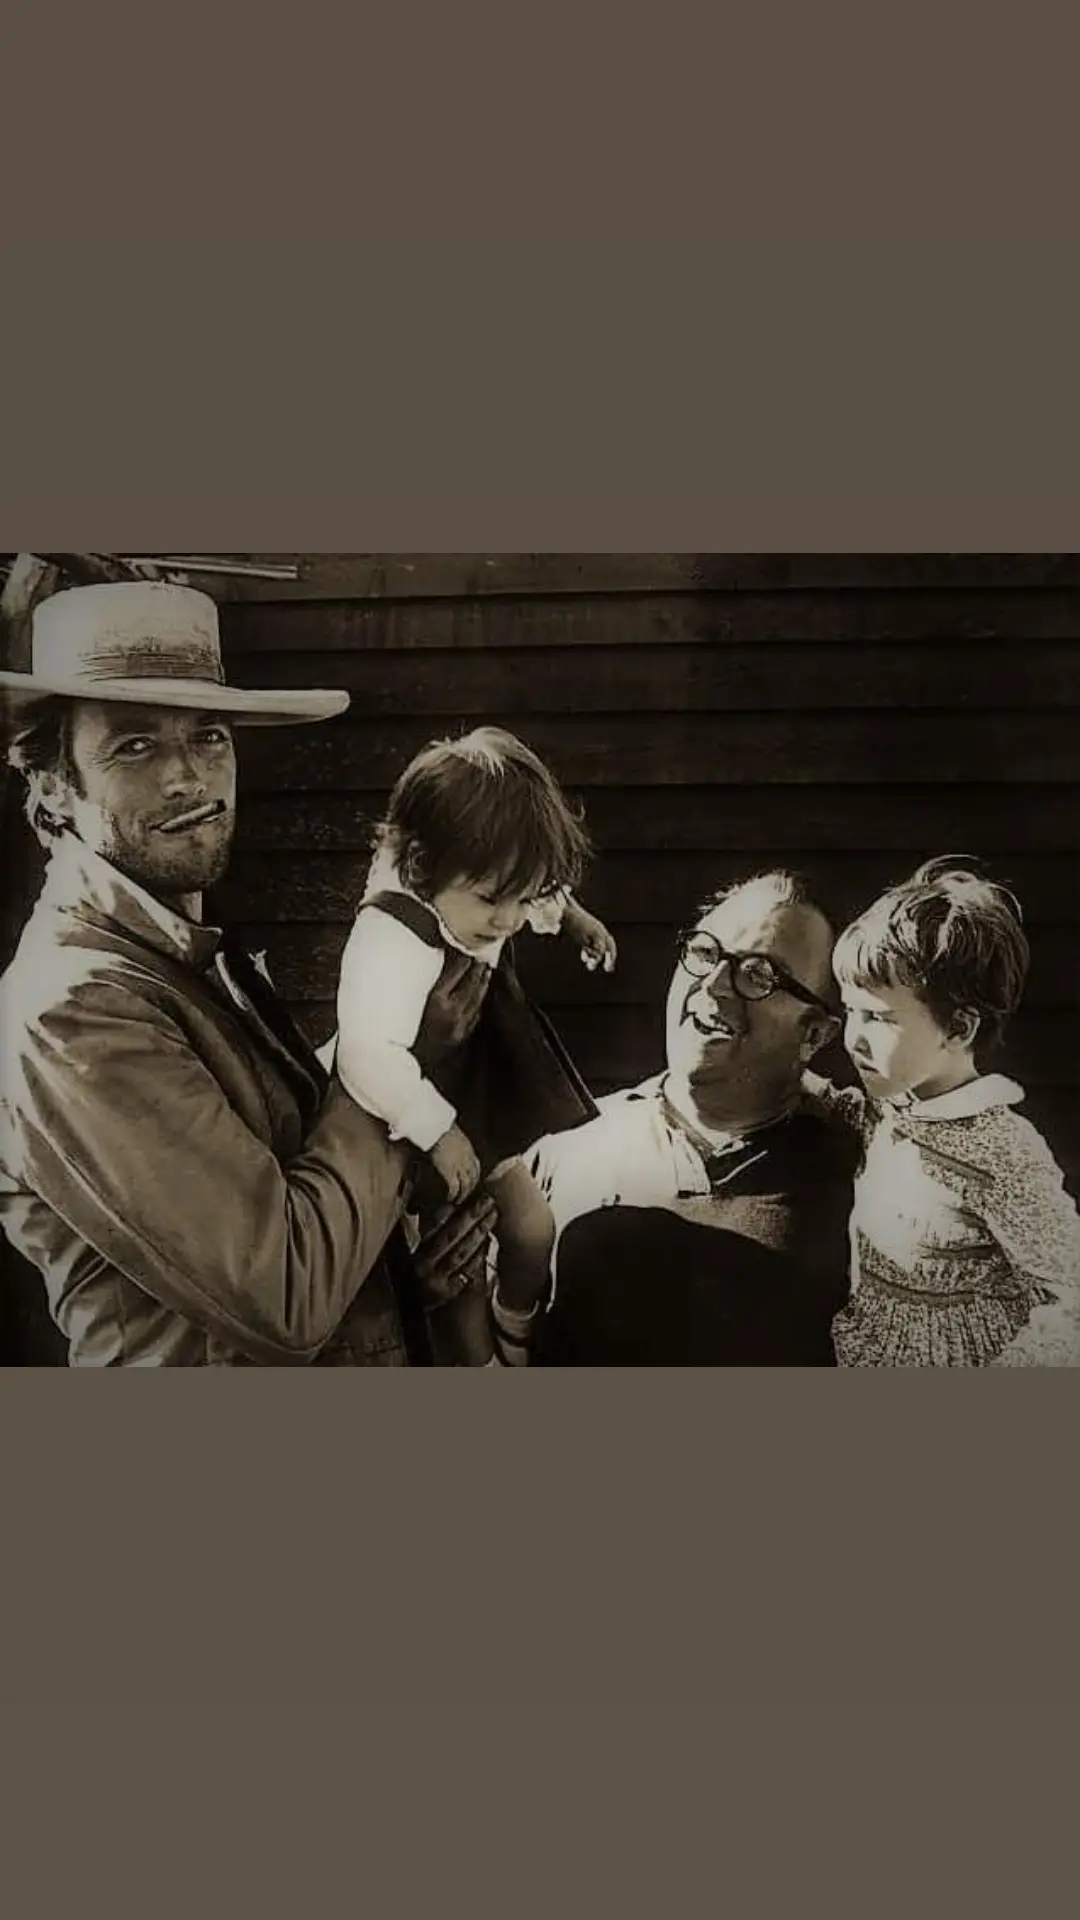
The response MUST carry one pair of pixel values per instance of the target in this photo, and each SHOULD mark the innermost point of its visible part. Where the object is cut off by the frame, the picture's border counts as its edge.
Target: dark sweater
(757, 1286)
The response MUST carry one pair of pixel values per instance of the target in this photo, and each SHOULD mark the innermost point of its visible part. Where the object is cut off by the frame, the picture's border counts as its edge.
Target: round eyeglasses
(754, 976)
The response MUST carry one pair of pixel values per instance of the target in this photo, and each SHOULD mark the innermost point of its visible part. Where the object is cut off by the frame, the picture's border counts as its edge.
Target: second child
(435, 1034)
(965, 1245)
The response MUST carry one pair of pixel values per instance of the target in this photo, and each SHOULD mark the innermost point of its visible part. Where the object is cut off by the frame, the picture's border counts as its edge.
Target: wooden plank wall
(847, 715)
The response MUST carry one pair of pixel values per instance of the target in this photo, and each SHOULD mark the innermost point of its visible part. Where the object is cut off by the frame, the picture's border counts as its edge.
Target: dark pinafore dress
(490, 1051)
(488, 1048)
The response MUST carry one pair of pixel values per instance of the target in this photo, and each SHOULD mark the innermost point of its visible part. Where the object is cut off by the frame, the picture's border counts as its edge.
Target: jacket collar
(80, 882)
(977, 1096)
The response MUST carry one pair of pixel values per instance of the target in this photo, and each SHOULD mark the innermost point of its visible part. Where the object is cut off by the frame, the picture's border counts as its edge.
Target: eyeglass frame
(782, 979)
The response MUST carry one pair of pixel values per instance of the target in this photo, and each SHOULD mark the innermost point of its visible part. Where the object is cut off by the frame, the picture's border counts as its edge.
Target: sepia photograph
(540, 960)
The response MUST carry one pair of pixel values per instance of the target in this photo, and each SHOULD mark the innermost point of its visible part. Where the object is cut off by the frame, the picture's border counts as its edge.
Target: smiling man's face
(741, 1059)
(154, 793)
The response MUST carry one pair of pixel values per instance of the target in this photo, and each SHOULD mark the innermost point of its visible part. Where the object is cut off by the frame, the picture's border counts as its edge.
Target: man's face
(750, 1050)
(155, 793)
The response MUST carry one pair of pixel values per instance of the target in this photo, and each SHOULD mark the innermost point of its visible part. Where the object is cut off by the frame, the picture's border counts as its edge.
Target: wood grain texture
(412, 575)
(695, 749)
(660, 888)
(859, 616)
(681, 679)
(974, 818)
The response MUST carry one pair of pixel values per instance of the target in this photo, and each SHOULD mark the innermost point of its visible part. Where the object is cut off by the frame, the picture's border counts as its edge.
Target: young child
(435, 1035)
(965, 1246)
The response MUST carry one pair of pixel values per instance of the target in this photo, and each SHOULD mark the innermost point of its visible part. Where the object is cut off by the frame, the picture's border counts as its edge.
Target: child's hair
(482, 807)
(952, 936)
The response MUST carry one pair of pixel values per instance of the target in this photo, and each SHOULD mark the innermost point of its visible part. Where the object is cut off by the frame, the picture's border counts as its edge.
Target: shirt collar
(709, 1139)
(976, 1096)
(82, 882)
(384, 874)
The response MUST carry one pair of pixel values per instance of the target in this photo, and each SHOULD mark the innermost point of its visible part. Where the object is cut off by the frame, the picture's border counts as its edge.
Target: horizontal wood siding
(845, 715)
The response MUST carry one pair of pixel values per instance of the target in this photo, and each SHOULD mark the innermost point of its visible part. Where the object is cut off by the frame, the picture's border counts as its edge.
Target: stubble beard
(170, 873)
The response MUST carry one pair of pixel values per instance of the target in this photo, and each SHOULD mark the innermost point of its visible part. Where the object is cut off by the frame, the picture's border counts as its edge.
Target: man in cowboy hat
(173, 1157)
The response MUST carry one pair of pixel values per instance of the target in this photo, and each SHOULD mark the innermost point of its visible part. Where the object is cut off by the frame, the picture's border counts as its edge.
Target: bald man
(702, 1217)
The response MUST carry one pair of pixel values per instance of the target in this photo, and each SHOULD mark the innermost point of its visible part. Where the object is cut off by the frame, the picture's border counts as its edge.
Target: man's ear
(820, 1029)
(53, 795)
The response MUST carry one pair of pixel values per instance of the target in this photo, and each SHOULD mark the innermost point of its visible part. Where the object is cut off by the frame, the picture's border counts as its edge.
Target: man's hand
(459, 1235)
(453, 1157)
(590, 935)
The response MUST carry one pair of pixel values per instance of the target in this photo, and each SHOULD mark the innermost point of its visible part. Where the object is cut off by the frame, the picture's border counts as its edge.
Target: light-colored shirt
(387, 974)
(636, 1153)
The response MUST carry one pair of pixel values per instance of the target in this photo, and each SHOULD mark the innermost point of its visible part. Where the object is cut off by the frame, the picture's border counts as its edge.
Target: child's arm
(848, 1105)
(561, 913)
(1035, 1223)
(386, 977)
(590, 936)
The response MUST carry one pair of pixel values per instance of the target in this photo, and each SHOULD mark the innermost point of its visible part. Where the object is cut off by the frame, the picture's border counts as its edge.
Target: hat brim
(246, 706)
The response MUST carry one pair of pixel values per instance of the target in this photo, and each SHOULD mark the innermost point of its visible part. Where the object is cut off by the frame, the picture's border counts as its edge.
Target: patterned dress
(965, 1246)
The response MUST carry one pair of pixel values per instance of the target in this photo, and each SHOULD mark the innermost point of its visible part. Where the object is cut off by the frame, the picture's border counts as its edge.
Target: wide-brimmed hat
(152, 643)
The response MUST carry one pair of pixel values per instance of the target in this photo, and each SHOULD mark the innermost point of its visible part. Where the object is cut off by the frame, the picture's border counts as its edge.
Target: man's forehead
(753, 915)
(755, 921)
(104, 719)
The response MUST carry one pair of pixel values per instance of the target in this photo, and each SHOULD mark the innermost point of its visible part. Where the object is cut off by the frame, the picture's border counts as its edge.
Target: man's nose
(720, 983)
(183, 772)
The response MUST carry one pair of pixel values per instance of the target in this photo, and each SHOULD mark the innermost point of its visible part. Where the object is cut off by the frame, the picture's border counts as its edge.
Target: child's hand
(454, 1158)
(598, 949)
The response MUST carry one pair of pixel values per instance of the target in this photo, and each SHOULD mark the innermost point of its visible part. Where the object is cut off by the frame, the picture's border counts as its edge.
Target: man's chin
(180, 870)
(699, 1048)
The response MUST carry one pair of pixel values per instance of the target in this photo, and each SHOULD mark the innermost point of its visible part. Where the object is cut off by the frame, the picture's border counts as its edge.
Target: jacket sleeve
(128, 1136)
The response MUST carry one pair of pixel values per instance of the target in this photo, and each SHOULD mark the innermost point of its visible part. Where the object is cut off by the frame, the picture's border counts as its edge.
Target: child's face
(897, 1045)
(477, 913)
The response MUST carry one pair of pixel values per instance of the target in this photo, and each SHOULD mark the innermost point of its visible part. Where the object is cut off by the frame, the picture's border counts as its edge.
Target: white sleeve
(623, 1157)
(386, 977)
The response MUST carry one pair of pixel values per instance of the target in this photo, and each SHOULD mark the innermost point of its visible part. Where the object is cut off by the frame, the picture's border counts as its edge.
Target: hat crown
(133, 630)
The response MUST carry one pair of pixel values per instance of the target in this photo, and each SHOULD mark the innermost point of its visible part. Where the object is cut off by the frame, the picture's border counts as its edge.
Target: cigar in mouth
(193, 817)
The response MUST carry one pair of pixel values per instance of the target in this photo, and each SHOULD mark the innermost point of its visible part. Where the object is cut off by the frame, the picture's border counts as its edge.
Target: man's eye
(134, 748)
(216, 736)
